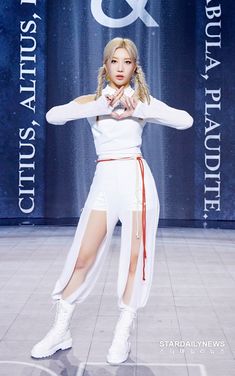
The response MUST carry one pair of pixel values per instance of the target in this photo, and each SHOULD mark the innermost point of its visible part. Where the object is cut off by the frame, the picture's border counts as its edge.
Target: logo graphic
(138, 11)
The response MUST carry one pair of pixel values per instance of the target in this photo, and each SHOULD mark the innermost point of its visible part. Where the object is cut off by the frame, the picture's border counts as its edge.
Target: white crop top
(119, 137)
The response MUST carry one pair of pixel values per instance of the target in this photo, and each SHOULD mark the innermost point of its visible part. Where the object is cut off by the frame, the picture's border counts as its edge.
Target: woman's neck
(113, 86)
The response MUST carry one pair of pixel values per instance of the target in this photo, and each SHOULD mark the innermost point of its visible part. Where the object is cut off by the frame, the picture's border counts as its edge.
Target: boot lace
(123, 327)
(59, 320)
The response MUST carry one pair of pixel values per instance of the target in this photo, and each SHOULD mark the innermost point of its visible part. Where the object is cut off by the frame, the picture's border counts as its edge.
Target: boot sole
(113, 363)
(61, 346)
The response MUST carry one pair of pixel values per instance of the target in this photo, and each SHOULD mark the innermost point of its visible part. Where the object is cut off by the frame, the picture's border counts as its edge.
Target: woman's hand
(113, 100)
(129, 104)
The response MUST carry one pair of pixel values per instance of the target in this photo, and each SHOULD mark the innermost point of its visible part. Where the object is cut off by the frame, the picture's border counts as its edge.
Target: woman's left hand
(129, 104)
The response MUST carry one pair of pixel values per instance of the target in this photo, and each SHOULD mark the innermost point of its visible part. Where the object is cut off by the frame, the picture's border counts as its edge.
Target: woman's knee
(84, 262)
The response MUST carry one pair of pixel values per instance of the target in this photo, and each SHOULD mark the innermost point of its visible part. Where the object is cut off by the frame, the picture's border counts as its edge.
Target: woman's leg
(94, 234)
(135, 248)
(59, 336)
(120, 348)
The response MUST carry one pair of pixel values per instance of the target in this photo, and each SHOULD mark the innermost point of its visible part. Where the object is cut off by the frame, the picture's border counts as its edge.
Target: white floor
(186, 329)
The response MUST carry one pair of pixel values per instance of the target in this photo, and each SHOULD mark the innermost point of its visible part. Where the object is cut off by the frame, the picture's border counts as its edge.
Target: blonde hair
(140, 85)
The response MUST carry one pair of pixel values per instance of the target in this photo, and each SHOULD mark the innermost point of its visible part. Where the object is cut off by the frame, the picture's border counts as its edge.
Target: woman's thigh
(94, 234)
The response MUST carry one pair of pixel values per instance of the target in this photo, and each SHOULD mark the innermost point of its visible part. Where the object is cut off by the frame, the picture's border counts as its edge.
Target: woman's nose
(120, 67)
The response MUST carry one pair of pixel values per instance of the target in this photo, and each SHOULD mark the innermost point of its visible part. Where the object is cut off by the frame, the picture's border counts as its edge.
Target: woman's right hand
(114, 98)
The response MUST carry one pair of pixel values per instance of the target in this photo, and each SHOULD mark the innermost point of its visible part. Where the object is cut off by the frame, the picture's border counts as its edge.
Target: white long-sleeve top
(119, 137)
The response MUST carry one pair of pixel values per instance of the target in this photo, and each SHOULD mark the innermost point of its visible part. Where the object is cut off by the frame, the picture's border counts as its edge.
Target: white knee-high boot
(59, 336)
(121, 346)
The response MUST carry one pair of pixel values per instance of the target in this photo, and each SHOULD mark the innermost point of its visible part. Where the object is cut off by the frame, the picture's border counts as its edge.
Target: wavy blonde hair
(140, 85)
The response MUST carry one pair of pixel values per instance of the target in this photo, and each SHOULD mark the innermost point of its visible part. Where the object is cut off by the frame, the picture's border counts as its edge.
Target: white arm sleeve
(73, 110)
(160, 113)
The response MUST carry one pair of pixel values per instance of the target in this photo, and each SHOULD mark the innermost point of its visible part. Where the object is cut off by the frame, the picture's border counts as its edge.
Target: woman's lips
(119, 77)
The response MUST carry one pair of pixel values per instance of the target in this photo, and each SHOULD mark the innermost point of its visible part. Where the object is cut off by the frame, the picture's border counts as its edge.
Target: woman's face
(120, 68)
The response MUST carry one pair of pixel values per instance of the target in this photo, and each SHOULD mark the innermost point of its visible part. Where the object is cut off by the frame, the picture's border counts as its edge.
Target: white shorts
(101, 204)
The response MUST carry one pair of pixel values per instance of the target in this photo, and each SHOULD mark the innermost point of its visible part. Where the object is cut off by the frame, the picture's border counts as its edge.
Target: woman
(123, 188)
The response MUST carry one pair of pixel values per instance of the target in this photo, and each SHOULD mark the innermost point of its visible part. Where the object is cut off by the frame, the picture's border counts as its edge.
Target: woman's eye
(113, 61)
(128, 62)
